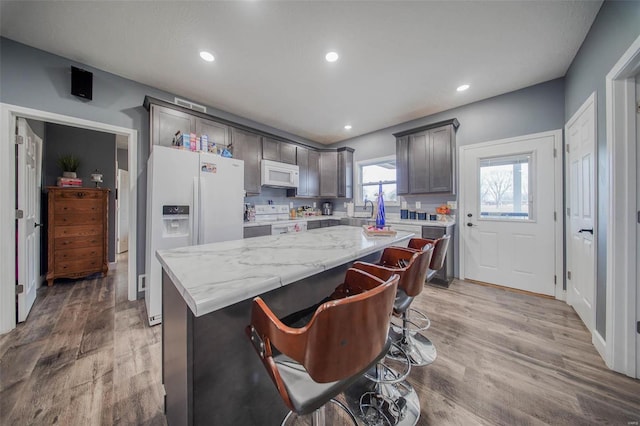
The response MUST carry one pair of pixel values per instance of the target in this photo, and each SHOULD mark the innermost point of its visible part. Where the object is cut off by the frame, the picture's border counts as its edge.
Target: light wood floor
(85, 356)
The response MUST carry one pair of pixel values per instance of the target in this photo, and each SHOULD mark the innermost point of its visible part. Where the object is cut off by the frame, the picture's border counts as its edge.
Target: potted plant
(69, 165)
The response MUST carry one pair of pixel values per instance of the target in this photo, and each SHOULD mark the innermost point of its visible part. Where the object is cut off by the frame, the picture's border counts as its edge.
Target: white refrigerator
(192, 198)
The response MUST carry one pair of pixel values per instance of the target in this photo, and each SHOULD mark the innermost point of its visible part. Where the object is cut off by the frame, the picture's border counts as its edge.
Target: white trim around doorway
(560, 294)
(8, 115)
(622, 256)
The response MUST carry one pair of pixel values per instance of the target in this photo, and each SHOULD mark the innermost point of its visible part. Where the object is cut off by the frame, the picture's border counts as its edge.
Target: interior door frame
(560, 294)
(620, 346)
(8, 116)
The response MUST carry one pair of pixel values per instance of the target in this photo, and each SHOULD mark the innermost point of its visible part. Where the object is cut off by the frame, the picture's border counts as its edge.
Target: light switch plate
(345, 205)
(290, 204)
(418, 204)
(314, 204)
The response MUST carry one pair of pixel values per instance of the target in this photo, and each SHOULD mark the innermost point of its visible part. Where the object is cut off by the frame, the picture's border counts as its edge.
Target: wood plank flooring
(85, 356)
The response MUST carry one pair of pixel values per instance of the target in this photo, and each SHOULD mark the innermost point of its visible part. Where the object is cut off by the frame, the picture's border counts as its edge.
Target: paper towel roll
(350, 209)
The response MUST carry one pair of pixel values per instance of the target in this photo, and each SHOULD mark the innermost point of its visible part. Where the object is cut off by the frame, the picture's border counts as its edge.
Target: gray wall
(95, 150)
(533, 109)
(122, 155)
(616, 26)
(36, 79)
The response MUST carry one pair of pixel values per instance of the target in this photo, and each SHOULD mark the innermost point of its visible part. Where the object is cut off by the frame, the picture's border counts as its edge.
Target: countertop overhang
(213, 276)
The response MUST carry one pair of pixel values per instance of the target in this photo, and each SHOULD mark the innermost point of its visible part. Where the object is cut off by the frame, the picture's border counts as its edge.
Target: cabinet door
(440, 160)
(247, 147)
(216, 132)
(270, 149)
(418, 163)
(329, 174)
(345, 174)
(166, 122)
(402, 165)
(287, 153)
(313, 178)
(302, 155)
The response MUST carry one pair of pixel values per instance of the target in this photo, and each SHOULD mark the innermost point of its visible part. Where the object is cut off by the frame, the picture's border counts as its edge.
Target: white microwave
(279, 175)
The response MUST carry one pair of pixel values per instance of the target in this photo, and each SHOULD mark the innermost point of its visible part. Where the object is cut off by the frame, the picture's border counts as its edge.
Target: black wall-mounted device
(81, 83)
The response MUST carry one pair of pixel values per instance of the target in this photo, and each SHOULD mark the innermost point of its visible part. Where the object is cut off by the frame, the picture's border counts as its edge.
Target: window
(370, 174)
(505, 187)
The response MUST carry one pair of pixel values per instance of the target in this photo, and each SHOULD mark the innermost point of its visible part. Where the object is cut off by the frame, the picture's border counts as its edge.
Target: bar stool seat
(311, 365)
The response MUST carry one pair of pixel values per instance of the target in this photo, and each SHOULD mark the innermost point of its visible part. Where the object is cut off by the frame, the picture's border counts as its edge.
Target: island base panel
(211, 372)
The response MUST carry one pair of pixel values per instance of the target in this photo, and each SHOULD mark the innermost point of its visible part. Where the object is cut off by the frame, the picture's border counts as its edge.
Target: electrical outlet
(290, 204)
(453, 205)
(418, 205)
(314, 204)
(142, 282)
(345, 205)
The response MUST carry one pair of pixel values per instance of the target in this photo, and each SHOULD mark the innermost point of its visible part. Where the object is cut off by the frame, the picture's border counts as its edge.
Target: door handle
(586, 230)
(470, 224)
(36, 225)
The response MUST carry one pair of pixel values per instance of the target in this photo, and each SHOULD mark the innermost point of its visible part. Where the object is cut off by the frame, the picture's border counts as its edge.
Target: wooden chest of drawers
(77, 232)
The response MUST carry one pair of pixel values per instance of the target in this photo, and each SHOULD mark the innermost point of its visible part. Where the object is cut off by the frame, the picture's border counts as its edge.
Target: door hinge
(568, 211)
(638, 327)
(568, 275)
(567, 147)
(555, 153)
(19, 140)
(555, 280)
(19, 289)
(638, 216)
(555, 216)
(19, 214)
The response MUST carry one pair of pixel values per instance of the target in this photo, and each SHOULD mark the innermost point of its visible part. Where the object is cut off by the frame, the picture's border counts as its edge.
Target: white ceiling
(398, 60)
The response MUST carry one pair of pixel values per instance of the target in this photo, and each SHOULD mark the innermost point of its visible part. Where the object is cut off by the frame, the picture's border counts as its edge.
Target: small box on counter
(193, 143)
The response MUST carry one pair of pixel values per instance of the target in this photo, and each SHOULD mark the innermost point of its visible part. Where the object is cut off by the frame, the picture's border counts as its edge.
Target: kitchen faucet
(365, 206)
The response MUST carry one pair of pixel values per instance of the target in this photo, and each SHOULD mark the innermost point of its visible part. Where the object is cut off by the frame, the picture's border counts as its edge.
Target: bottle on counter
(380, 219)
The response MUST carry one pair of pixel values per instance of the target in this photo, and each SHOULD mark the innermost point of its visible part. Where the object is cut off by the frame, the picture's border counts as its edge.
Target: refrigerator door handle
(201, 233)
(195, 218)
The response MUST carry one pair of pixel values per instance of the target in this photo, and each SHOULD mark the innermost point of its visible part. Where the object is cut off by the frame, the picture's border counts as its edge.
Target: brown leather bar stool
(388, 398)
(343, 339)
(420, 348)
(440, 247)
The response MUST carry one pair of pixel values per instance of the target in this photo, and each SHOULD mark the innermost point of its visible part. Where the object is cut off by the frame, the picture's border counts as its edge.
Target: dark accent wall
(95, 150)
(616, 26)
(36, 79)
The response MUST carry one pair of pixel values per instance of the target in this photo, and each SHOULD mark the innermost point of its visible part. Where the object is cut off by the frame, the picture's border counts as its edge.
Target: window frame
(359, 184)
(532, 193)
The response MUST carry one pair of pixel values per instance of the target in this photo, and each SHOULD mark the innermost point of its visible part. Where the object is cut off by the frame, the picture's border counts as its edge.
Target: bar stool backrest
(412, 282)
(439, 251)
(342, 338)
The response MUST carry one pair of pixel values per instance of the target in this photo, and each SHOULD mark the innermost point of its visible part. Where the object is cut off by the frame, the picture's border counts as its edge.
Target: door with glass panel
(508, 217)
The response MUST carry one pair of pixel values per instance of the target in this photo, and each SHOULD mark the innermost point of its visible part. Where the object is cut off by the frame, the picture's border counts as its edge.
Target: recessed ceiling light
(347, 127)
(462, 88)
(207, 56)
(331, 57)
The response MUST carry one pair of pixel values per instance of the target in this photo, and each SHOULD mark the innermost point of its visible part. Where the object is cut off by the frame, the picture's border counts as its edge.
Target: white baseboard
(600, 345)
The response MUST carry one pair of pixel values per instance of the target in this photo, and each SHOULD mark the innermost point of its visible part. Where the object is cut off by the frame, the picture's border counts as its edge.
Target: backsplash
(428, 203)
(279, 196)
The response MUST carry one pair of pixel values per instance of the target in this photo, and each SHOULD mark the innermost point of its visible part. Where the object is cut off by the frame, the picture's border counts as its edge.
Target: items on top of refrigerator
(193, 142)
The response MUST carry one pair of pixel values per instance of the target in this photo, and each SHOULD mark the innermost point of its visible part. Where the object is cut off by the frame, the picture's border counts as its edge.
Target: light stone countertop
(213, 276)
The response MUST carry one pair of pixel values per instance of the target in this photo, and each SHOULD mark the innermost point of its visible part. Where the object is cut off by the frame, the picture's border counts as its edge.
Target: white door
(508, 221)
(638, 224)
(28, 197)
(123, 211)
(580, 134)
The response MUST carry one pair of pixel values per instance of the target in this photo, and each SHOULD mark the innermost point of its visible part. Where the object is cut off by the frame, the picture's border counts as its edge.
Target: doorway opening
(8, 235)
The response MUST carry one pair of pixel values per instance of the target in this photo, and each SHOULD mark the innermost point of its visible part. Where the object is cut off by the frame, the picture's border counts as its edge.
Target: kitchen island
(210, 371)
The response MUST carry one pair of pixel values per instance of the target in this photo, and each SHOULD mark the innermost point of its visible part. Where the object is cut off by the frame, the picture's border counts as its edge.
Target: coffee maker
(327, 209)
